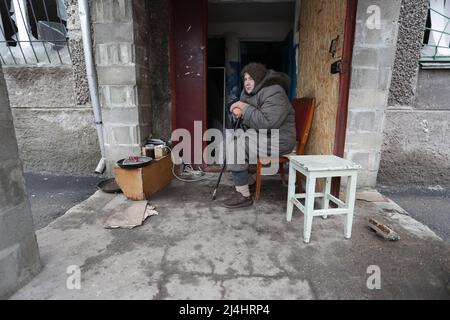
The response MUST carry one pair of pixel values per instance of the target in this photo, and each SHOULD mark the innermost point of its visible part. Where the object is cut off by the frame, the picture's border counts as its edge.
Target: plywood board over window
(321, 21)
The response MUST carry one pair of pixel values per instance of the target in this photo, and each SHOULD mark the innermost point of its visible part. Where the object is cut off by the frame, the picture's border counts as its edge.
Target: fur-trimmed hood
(272, 78)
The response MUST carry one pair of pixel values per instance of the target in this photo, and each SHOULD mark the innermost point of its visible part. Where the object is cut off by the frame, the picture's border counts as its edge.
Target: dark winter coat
(268, 107)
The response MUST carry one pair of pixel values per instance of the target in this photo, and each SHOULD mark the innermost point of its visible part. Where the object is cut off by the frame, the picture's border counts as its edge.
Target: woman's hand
(236, 108)
(237, 113)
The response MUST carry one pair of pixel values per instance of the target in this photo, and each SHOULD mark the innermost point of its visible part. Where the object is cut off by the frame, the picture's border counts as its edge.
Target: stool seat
(313, 168)
(323, 163)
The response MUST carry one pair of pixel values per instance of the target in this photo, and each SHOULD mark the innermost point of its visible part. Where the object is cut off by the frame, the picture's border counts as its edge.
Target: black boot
(237, 200)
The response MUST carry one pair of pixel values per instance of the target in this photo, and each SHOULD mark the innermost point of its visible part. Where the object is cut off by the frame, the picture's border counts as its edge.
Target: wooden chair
(304, 113)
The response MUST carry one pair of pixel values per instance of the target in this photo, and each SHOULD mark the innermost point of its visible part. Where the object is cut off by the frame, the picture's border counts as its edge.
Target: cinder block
(373, 57)
(363, 141)
(364, 78)
(122, 135)
(118, 96)
(370, 78)
(367, 99)
(365, 121)
(113, 32)
(384, 37)
(389, 10)
(124, 116)
(115, 54)
(116, 75)
(117, 11)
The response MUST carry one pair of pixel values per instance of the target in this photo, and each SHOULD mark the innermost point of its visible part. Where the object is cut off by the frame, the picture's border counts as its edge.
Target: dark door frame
(173, 69)
(344, 86)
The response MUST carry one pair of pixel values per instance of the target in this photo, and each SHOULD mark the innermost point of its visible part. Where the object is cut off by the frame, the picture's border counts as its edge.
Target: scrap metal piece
(383, 230)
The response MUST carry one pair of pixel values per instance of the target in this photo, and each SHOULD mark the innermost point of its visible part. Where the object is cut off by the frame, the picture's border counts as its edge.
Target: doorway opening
(216, 83)
(310, 40)
(240, 32)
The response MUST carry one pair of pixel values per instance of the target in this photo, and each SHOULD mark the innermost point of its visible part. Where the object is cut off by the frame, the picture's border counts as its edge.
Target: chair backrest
(304, 114)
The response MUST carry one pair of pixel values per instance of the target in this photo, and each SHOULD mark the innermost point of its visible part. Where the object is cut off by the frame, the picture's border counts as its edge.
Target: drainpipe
(83, 10)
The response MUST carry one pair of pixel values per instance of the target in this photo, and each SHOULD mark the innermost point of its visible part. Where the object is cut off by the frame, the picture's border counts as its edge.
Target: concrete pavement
(194, 249)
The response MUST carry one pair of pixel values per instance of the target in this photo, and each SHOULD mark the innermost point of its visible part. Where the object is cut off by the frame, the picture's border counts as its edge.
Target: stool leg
(350, 201)
(291, 192)
(326, 201)
(309, 207)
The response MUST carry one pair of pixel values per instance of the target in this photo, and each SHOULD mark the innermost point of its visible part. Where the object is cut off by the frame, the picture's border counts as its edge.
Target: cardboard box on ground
(140, 184)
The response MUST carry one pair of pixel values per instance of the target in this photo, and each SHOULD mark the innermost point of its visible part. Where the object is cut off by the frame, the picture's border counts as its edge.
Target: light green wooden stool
(313, 168)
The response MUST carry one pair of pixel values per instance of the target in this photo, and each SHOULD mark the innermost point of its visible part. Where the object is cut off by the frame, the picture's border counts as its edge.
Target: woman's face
(249, 83)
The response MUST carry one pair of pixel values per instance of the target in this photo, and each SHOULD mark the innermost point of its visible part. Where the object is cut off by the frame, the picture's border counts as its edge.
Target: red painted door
(188, 65)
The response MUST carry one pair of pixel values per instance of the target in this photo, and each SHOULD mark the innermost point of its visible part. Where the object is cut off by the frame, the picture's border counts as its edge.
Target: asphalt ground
(52, 196)
(430, 207)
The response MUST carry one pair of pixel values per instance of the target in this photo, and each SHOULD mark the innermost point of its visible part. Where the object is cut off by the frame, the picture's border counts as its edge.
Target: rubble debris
(130, 215)
(383, 230)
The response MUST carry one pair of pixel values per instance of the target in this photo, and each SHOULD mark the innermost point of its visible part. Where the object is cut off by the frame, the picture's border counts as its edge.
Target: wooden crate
(141, 183)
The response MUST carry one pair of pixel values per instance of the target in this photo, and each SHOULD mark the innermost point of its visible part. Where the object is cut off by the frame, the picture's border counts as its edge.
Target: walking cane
(236, 125)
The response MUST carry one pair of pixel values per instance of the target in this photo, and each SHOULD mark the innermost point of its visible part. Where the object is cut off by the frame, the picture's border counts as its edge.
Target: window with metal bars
(436, 45)
(33, 32)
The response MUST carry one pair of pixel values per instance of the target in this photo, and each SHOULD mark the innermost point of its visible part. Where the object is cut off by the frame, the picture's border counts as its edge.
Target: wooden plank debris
(383, 230)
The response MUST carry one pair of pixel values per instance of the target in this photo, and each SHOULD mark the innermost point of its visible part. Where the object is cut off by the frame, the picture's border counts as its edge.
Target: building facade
(397, 117)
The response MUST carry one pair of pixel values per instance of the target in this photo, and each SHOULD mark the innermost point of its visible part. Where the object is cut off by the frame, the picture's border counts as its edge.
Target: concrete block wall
(415, 151)
(121, 54)
(54, 134)
(373, 60)
(19, 253)
(51, 108)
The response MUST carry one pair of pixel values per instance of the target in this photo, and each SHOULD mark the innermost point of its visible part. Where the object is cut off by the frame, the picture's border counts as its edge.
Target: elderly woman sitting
(263, 104)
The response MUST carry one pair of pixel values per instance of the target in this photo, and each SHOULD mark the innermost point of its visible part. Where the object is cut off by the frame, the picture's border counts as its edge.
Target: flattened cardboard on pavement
(140, 184)
(129, 215)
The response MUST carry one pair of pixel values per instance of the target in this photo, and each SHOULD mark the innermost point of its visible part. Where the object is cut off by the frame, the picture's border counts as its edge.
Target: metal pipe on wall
(83, 10)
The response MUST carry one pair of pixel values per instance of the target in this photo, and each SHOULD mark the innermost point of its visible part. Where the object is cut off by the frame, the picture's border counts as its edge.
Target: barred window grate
(436, 45)
(33, 32)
